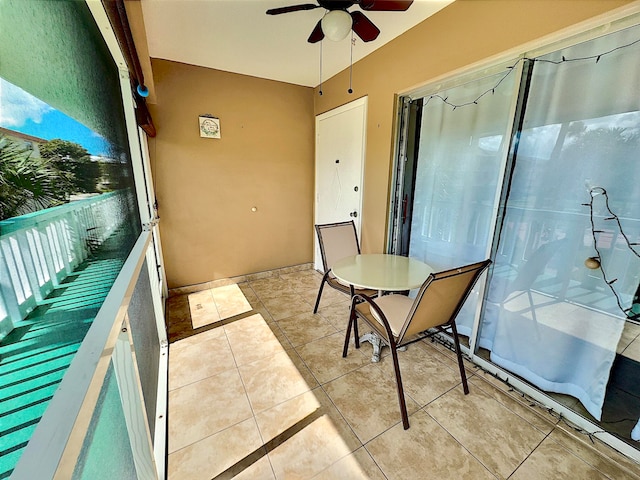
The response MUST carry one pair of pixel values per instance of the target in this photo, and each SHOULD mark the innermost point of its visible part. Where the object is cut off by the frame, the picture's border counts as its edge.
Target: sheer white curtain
(548, 318)
(460, 156)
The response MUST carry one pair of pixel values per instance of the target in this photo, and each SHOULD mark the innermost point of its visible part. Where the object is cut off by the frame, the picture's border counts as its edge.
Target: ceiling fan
(338, 22)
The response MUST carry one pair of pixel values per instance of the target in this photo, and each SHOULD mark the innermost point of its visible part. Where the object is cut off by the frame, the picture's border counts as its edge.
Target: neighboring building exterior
(29, 141)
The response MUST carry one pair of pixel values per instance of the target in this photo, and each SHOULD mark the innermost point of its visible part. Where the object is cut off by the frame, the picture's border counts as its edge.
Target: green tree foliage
(63, 149)
(28, 183)
(606, 157)
(75, 160)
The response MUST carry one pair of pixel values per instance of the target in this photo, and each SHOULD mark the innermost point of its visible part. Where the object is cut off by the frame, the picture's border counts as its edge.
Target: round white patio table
(382, 272)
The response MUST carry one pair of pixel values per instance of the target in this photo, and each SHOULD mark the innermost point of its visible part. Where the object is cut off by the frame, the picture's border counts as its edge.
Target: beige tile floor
(264, 393)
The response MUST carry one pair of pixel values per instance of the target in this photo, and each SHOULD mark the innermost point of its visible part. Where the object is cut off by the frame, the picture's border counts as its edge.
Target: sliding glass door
(575, 194)
(536, 166)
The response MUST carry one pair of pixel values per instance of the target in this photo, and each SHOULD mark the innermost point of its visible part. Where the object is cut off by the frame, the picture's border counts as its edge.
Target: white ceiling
(237, 36)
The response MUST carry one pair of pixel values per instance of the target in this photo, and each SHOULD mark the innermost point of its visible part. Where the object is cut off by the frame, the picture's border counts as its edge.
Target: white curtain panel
(460, 157)
(581, 131)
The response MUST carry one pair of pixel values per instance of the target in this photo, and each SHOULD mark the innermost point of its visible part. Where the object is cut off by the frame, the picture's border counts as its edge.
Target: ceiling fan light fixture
(336, 24)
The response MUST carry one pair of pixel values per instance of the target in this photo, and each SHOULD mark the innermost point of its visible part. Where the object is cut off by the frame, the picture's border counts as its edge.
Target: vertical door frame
(406, 155)
(159, 273)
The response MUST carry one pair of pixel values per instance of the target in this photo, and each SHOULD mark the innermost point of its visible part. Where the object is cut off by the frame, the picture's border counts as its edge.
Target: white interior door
(340, 148)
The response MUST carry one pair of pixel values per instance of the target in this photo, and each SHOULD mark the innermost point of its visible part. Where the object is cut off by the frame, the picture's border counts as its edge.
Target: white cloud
(17, 106)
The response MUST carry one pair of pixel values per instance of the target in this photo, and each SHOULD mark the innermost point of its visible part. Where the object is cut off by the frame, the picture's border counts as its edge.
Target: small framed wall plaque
(209, 126)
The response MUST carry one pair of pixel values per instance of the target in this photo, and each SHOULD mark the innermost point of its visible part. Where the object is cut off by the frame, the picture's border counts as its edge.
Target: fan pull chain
(353, 40)
(320, 91)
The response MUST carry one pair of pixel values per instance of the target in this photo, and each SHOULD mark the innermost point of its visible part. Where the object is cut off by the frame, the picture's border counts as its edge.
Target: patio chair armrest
(372, 305)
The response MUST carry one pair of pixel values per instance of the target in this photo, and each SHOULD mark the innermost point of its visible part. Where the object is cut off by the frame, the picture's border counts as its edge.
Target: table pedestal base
(377, 344)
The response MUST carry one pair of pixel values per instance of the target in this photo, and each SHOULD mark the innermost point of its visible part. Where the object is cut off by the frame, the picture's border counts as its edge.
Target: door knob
(353, 214)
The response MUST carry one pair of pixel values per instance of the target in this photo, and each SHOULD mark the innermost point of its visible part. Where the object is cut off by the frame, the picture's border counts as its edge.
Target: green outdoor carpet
(37, 353)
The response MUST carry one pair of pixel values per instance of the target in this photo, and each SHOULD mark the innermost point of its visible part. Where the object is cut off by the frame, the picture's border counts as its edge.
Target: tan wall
(206, 188)
(463, 33)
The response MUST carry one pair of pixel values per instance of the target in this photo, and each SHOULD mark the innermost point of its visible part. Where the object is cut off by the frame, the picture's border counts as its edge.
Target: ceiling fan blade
(363, 27)
(292, 8)
(385, 5)
(337, 4)
(317, 34)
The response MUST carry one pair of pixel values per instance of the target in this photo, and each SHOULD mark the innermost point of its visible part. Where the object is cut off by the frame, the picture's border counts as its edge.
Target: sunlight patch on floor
(216, 304)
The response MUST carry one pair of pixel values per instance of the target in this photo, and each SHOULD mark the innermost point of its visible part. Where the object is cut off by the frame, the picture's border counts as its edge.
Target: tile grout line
(461, 444)
(321, 387)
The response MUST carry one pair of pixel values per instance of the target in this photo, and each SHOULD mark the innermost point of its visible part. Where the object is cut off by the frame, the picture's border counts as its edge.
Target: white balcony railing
(39, 250)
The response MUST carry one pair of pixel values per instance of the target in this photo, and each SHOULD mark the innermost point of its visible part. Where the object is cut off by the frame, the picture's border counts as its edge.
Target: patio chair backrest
(440, 298)
(337, 240)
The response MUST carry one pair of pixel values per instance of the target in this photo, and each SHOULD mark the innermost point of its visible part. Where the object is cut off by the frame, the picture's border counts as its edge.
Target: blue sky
(22, 112)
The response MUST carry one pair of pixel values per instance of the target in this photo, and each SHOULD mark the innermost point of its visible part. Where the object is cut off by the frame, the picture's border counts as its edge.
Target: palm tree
(28, 183)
